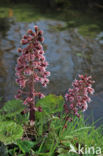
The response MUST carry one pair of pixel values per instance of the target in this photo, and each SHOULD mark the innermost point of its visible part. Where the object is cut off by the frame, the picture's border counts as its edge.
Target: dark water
(68, 54)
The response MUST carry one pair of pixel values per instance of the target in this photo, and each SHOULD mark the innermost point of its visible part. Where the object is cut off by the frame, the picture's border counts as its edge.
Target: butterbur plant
(31, 69)
(49, 131)
(78, 97)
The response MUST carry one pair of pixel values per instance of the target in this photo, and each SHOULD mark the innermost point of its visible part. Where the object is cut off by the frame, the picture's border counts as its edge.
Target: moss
(71, 24)
(88, 30)
(58, 27)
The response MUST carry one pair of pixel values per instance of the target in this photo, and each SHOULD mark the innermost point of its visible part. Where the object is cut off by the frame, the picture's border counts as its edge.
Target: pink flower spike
(31, 69)
(78, 97)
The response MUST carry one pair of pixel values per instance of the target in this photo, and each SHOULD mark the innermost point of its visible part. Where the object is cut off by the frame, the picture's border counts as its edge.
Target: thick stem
(32, 113)
(32, 104)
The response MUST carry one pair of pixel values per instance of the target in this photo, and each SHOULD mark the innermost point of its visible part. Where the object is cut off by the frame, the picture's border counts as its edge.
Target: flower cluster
(78, 96)
(31, 67)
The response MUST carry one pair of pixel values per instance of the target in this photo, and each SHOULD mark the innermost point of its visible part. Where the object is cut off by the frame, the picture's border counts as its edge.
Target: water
(67, 52)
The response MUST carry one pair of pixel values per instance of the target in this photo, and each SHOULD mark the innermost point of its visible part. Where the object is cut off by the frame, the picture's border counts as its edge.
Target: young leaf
(12, 108)
(51, 104)
(10, 132)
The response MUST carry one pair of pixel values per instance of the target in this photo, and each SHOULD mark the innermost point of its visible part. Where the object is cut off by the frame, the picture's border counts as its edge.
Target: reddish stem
(32, 104)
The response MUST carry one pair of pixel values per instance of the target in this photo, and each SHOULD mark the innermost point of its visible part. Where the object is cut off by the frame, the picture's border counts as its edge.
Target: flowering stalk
(30, 69)
(78, 97)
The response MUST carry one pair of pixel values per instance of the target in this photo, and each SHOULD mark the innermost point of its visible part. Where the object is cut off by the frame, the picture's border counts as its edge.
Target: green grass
(82, 133)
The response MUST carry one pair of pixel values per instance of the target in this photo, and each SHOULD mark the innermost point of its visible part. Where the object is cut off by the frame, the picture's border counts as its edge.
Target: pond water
(67, 52)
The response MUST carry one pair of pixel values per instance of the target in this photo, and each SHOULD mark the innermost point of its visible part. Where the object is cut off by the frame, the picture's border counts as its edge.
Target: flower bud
(40, 33)
(36, 28)
(23, 42)
(30, 32)
(19, 50)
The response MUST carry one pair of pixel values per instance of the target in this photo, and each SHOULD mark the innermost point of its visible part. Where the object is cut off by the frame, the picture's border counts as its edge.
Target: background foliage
(78, 4)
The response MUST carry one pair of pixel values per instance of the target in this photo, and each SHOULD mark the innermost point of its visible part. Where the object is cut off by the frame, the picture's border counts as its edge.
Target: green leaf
(10, 132)
(12, 151)
(51, 104)
(21, 119)
(62, 151)
(80, 129)
(12, 108)
(25, 145)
